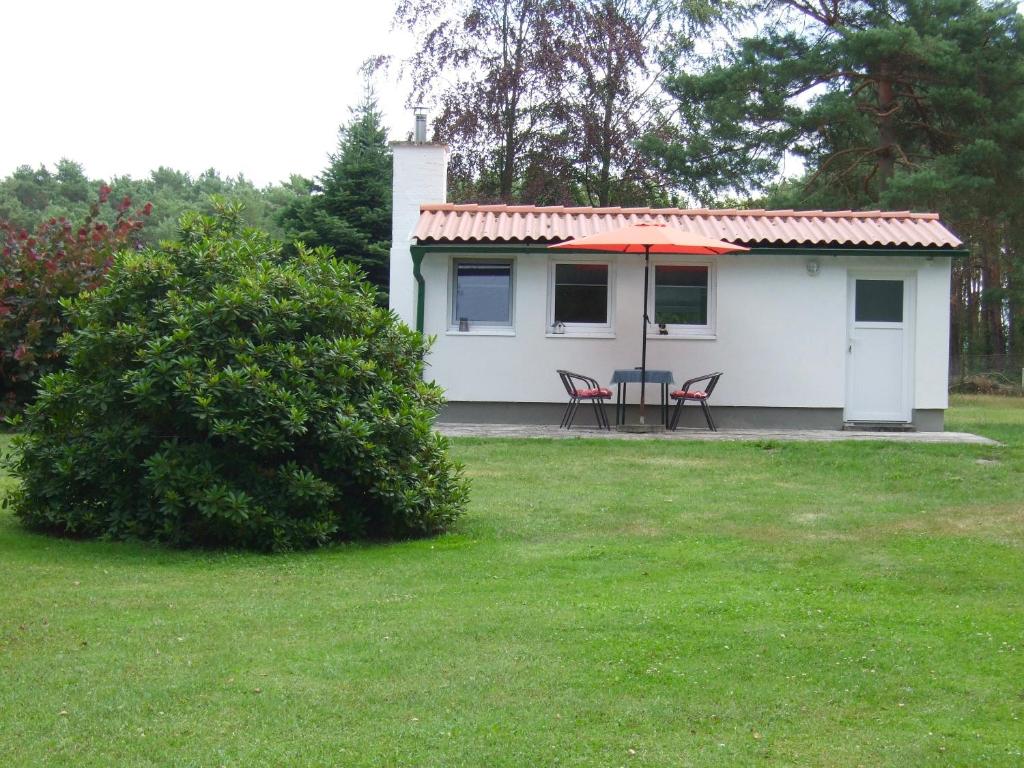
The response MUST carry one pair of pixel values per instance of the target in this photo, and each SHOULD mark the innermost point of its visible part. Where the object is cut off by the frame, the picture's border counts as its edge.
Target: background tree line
(347, 207)
(60, 231)
(914, 104)
(30, 195)
(878, 104)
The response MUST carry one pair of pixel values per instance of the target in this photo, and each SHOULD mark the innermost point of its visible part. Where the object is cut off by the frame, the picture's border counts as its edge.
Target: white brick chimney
(420, 176)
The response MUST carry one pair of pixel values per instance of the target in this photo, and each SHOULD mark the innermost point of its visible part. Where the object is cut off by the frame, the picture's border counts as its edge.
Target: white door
(878, 372)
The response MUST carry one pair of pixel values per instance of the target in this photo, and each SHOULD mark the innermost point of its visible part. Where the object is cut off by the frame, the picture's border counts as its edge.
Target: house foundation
(726, 416)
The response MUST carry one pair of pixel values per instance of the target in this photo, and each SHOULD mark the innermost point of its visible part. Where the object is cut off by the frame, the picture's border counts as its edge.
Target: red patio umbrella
(648, 238)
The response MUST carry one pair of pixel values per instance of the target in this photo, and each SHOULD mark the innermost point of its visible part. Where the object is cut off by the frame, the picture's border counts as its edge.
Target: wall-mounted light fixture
(813, 267)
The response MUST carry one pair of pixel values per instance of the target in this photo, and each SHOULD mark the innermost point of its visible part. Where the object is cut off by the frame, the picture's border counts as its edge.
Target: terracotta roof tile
(450, 223)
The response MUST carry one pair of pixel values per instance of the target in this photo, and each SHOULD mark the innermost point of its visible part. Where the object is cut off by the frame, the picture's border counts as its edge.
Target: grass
(602, 603)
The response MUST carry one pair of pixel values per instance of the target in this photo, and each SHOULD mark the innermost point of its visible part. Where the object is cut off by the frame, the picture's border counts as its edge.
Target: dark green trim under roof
(794, 250)
(420, 250)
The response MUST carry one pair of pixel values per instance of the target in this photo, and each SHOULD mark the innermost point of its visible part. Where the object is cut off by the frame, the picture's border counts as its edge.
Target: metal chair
(688, 394)
(582, 388)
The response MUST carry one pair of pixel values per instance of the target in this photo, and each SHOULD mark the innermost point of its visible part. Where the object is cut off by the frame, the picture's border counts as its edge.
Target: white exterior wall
(931, 349)
(421, 176)
(781, 335)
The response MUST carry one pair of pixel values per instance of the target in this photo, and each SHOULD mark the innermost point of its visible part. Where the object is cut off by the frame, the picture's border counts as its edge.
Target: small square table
(623, 376)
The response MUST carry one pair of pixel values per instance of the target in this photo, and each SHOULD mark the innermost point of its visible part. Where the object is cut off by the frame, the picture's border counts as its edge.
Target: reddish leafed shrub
(40, 269)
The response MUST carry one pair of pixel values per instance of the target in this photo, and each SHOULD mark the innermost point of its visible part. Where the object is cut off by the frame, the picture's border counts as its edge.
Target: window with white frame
(580, 297)
(481, 294)
(683, 298)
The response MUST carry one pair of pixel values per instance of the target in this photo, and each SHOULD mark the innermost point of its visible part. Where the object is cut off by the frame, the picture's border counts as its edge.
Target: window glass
(879, 301)
(581, 293)
(681, 294)
(483, 293)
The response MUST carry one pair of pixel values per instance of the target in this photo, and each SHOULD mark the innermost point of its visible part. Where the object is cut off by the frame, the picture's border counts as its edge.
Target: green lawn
(603, 603)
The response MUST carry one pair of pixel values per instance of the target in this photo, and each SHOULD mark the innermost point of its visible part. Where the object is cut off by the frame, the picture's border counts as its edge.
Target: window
(482, 294)
(879, 301)
(580, 297)
(682, 297)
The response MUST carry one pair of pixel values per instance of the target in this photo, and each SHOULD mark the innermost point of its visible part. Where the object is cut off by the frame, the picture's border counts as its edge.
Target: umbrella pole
(643, 337)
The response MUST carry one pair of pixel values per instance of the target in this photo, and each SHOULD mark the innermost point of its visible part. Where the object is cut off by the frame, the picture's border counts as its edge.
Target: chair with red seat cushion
(580, 388)
(601, 392)
(689, 393)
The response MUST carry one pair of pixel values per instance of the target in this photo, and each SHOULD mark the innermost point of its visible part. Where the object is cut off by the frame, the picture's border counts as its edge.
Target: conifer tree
(888, 103)
(349, 205)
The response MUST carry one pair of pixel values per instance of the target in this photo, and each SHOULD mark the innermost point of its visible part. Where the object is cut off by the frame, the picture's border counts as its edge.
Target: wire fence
(995, 374)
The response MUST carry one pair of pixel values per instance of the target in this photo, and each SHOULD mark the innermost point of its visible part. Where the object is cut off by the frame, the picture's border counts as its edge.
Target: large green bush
(219, 394)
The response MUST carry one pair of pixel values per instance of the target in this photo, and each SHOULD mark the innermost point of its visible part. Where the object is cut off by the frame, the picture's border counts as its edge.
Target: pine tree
(889, 103)
(349, 207)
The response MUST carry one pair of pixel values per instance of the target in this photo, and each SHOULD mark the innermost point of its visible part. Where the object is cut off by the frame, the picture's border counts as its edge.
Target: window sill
(682, 336)
(482, 332)
(568, 335)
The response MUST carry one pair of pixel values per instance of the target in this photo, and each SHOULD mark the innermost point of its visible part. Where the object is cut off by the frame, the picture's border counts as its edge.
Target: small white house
(830, 318)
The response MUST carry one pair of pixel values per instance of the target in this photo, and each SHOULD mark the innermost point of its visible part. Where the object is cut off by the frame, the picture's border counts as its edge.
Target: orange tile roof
(450, 223)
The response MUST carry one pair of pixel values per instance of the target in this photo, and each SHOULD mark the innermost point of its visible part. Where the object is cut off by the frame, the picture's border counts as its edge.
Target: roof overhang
(875, 232)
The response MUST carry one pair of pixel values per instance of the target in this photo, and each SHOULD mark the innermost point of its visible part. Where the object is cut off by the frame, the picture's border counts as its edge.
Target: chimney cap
(421, 124)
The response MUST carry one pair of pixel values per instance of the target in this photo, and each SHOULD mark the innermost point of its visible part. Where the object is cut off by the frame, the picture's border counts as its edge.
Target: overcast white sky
(254, 87)
(257, 87)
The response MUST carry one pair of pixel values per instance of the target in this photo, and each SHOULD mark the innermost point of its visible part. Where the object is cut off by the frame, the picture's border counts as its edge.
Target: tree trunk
(971, 307)
(886, 127)
(994, 302)
(604, 185)
(1015, 301)
(957, 320)
(506, 174)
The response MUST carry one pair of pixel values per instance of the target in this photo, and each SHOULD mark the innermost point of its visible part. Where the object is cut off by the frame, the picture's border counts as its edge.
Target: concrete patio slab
(527, 431)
